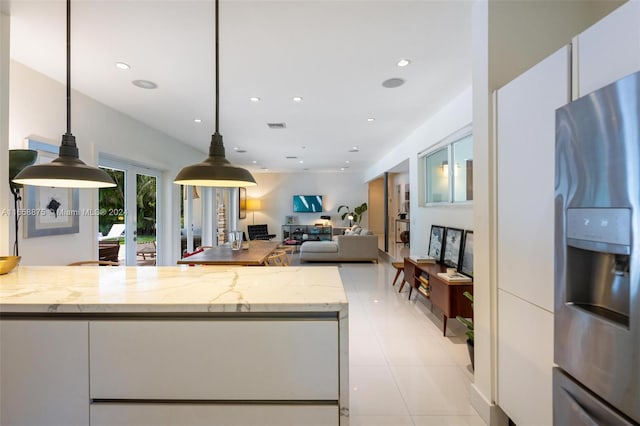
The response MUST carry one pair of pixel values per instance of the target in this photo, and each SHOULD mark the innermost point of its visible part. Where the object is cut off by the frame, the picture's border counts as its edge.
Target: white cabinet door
(610, 49)
(525, 361)
(44, 373)
(526, 176)
(247, 360)
(212, 415)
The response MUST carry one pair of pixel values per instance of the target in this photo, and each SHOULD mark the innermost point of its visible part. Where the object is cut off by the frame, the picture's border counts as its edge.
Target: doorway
(129, 212)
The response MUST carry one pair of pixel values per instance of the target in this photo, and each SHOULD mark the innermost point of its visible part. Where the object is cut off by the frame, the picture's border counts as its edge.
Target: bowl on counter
(7, 263)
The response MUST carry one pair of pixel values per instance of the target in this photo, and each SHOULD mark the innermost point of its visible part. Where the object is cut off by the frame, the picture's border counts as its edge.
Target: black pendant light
(215, 170)
(66, 171)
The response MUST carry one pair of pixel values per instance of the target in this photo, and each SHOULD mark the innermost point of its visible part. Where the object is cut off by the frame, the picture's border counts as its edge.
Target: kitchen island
(173, 345)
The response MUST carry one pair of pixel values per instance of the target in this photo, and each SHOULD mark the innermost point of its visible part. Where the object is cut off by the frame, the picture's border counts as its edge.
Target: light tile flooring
(402, 370)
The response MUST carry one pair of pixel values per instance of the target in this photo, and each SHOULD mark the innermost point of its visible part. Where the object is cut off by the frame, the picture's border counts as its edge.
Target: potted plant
(469, 324)
(355, 215)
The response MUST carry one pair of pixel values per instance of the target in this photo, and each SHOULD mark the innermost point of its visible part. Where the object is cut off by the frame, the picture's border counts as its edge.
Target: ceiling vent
(290, 157)
(277, 125)
(241, 151)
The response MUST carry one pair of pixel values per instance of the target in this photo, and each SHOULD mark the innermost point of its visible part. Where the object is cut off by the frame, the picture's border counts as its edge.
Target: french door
(134, 204)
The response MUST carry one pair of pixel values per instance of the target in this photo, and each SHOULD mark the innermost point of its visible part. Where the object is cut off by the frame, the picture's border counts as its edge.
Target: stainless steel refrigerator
(597, 248)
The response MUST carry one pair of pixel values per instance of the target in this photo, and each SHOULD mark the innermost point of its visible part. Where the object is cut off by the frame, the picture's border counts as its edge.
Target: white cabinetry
(525, 226)
(44, 373)
(212, 415)
(525, 134)
(610, 49)
(526, 174)
(142, 371)
(214, 360)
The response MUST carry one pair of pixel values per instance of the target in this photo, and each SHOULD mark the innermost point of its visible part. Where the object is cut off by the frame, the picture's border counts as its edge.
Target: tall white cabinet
(609, 49)
(525, 213)
(525, 151)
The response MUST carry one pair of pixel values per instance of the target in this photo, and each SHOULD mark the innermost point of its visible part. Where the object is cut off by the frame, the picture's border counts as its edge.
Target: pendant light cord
(69, 67)
(217, 71)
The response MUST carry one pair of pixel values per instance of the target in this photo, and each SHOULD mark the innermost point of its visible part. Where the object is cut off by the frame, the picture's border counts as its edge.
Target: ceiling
(334, 54)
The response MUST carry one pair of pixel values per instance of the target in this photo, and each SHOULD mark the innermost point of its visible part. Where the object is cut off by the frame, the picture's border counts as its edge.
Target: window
(438, 176)
(449, 171)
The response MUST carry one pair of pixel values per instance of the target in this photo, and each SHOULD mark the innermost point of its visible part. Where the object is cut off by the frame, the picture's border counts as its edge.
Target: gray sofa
(342, 248)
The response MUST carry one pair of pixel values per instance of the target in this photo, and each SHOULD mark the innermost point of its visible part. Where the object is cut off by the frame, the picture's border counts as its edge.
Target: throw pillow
(365, 231)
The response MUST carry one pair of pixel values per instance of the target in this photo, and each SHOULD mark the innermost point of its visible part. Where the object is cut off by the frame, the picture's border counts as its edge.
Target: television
(307, 203)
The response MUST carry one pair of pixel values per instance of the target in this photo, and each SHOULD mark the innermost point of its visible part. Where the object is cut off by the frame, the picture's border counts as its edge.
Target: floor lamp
(253, 205)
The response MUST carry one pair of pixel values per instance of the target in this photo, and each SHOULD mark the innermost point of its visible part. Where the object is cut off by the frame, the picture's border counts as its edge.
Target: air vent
(277, 125)
(291, 157)
(241, 151)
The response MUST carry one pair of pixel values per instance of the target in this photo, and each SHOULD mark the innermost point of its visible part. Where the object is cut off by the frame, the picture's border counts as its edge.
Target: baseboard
(491, 413)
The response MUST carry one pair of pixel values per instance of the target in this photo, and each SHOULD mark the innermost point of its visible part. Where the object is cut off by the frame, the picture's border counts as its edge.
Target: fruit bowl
(7, 263)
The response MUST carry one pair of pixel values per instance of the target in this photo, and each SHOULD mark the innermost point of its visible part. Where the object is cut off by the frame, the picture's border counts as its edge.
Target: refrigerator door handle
(580, 412)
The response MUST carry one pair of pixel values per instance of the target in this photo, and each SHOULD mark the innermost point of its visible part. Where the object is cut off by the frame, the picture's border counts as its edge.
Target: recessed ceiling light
(144, 84)
(254, 162)
(342, 168)
(235, 148)
(297, 99)
(197, 120)
(354, 149)
(122, 66)
(254, 99)
(347, 161)
(370, 119)
(392, 83)
(403, 62)
(301, 161)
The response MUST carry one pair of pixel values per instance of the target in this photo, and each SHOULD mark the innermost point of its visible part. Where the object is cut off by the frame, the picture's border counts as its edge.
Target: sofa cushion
(319, 247)
(365, 231)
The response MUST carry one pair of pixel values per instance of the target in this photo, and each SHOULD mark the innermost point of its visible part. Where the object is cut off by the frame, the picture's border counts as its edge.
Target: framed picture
(452, 247)
(50, 211)
(435, 242)
(242, 203)
(466, 263)
(291, 220)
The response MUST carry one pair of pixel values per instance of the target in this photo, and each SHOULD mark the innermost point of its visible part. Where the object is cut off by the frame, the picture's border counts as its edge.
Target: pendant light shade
(66, 171)
(215, 170)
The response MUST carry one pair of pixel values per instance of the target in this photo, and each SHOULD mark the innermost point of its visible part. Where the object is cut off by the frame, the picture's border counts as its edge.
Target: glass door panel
(130, 210)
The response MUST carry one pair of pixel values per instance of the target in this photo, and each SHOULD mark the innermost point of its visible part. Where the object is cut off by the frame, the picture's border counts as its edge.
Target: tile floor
(402, 370)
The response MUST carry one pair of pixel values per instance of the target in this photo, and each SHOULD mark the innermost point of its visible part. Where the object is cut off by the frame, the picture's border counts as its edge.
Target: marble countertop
(171, 289)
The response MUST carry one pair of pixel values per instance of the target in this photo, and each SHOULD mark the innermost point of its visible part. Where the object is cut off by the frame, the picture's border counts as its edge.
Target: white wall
(276, 190)
(37, 110)
(4, 135)
(452, 117)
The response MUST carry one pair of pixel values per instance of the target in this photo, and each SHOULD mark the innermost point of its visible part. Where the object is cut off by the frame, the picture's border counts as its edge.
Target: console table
(313, 233)
(445, 295)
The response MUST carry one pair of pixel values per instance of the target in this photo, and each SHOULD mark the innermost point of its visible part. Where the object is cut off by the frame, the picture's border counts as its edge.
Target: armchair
(259, 232)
